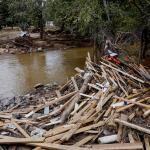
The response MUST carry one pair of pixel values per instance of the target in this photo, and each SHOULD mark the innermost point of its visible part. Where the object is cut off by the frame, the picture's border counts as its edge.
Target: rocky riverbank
(11, 42)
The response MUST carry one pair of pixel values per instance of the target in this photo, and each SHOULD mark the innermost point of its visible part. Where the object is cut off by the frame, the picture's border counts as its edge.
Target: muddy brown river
(19, 73)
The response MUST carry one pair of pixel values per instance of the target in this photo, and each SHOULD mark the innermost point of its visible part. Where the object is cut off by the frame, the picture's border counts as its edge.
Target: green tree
(4, 13)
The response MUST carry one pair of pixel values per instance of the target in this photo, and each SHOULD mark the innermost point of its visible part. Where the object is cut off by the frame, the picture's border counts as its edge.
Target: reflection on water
(19, 73)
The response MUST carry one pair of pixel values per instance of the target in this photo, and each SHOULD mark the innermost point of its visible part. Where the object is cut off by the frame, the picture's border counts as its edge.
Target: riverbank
(12, 43)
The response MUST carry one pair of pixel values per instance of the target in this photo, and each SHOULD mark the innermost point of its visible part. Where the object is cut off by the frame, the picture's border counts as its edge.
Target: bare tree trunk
(41, 26)
(106, 9)
(144, 43)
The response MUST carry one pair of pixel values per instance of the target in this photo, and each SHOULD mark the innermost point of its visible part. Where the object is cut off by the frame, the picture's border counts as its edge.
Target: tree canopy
(96, 18)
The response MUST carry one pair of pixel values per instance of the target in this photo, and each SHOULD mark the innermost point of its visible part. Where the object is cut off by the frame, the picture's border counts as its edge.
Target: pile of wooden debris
(104, 106)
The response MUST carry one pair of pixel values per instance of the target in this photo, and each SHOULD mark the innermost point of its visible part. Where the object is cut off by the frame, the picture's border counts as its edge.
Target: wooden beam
(131, 105)
(84, 140)
(62, 98)
(133, 126)
(147, 143)
(58, 93)
(22, 131)
(124, 73)
(118, 146)
(124, 146)
(21, 140)
(74, 83)
(76, 99)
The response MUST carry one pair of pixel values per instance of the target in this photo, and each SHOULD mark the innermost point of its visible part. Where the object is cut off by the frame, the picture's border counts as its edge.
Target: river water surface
(19, 73)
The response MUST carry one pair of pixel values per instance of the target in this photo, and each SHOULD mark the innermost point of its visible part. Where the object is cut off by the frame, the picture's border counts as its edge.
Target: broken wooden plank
(76, 99)
(74, 83)
(124, 73)
(133, 102)
(62, 98)
(21, 130)
(117, 146)
(21, 140)
(133, 126)
(147, 143)
(131, 105)
(58, 93)
(84, 140)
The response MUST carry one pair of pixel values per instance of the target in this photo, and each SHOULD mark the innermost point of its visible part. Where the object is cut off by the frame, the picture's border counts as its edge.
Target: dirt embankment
(11, 42)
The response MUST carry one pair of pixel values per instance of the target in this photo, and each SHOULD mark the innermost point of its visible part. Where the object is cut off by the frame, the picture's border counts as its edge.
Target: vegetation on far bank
(96, 19)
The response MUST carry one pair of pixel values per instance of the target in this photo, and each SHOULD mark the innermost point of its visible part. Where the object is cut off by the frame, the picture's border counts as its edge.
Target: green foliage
(90, 17)
(93, 18)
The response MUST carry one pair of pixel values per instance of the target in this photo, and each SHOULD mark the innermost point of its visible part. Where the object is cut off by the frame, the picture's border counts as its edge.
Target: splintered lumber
(103, 103)
(51, 146)
(119, 135)
(72, 131)
(130, 105)
(21, 140)
(83, 129)
(136, 103)
(124, 146)
(84, 140)
(54, 138)
(118, 146)
(37, 148)
(131, 139)
(76, 99)
(58, 130)
(146, 113)
(133, 126)
(131, 116)
(20, 129)
(124, 73)
(5, 116)
(77, 108)
(76, 117)
(58, 93)
(147, 143)
(74, 83)
(51, 103)
(79, 70)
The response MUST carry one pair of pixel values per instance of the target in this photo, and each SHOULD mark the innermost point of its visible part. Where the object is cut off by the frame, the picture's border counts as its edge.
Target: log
(133, 126)
(76, 99)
